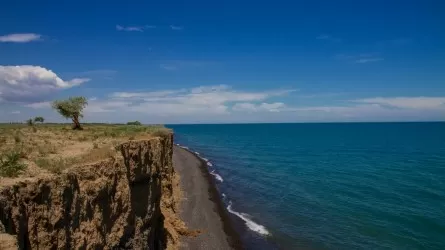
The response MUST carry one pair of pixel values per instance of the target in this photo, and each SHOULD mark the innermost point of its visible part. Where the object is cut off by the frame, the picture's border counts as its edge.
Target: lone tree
(71, 109)
(39, 119)
(29, 122)
(138, 123)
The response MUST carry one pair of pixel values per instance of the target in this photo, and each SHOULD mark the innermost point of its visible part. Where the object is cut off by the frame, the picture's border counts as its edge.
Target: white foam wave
(217, 176)
(223, 195)
(184, 147)
(205, 159)
(249, 223)
(209, 164)
(197, 153)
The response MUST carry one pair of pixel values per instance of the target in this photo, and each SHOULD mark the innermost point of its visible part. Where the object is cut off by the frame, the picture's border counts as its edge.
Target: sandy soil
(201, 207)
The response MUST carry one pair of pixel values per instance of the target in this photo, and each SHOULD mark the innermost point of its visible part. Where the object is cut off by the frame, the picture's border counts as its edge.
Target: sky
(224, 61)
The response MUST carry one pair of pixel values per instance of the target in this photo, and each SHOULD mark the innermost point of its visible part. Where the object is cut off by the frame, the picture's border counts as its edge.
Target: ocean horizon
(328, 185)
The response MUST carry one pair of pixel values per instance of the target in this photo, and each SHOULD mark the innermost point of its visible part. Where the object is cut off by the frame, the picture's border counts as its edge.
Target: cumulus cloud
(27, 82)
(420, 102)
(20, 38)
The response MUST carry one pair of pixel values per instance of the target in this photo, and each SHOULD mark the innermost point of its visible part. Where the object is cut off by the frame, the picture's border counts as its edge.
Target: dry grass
(55, 147)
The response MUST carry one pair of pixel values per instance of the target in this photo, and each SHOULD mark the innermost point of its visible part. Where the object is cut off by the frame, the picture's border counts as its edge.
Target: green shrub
(138, 123)
(39, 119)
(30, 122)
(17, 138)
(10, 165)
(162, 132)
(55, 165)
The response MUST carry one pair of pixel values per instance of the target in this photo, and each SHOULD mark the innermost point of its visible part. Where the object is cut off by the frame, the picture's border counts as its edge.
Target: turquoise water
(329, 186)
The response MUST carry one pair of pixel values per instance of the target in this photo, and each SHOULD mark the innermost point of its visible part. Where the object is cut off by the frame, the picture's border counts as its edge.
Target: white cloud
(407, 102)
(21, 83)
(130, 28)
(20, 38)
(369, 59)
(210, 100)
(168, 67)
(329, 38)
(134, 28)
(15, 112)
(360, 58)
(39, 105)
(174, 27)
(245, 106)
(268, 107)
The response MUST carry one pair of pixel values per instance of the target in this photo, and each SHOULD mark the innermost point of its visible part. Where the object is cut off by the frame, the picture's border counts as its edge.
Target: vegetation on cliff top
(28, 151)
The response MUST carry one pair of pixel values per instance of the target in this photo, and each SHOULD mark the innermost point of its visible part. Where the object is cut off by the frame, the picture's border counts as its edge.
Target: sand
(201, 207)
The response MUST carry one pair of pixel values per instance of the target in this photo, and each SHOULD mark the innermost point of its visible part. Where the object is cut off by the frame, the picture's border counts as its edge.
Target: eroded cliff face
(124, 202)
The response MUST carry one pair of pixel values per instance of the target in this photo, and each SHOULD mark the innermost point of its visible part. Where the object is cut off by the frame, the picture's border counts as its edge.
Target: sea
(328, 185)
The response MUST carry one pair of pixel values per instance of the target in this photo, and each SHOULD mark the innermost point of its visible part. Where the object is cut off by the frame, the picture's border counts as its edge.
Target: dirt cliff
(125, 202)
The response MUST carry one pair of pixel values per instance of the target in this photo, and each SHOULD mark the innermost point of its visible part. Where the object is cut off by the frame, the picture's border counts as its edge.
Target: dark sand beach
(201, 206)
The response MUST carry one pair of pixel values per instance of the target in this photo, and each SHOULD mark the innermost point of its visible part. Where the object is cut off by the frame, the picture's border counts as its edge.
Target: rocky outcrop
(125, 202)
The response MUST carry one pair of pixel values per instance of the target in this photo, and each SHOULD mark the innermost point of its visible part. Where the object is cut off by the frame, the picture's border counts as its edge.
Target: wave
(205, 159)
(209, 164)
(249, 223)
(197, 153)
(217, 176)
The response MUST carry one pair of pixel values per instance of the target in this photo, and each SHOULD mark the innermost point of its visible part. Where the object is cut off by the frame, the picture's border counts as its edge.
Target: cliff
(125, 202)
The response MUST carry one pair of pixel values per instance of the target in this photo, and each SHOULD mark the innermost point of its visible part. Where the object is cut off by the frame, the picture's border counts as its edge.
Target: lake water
(328, 186)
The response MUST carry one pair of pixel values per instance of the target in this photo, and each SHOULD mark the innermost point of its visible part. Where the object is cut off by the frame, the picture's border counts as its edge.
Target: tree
(30, 122)
(39, 119)
(138, 123)
(71, 109)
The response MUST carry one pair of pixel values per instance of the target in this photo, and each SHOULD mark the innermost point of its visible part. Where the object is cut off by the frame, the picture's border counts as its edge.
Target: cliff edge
(128, 201)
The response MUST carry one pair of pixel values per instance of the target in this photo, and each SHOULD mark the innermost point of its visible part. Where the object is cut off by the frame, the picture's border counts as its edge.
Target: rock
(119, 203)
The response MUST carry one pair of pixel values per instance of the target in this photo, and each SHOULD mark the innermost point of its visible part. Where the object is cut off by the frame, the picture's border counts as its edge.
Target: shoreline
(218, 207)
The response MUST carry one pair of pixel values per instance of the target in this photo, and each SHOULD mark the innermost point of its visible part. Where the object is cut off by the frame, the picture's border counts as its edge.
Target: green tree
(30, 122)
(39, 119)
(71, 109)
(134, 123)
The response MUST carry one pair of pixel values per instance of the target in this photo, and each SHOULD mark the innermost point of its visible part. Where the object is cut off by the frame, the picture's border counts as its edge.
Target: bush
(17, 138)
(162, 132)
(10, 165)
(39, 119)
(56, 165)
(30, 122)
(138, 123)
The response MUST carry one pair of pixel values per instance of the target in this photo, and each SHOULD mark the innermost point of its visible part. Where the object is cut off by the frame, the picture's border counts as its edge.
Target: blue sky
(228, 61)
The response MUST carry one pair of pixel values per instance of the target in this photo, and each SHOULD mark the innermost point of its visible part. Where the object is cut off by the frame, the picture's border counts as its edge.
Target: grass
(55, 165)
(10, 165)
(54, 147)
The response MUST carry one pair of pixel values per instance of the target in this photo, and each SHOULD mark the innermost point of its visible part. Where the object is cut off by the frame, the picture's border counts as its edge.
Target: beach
(201, 207)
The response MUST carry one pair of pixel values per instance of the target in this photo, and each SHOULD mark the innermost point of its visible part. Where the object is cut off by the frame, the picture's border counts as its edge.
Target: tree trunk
(76, 124)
